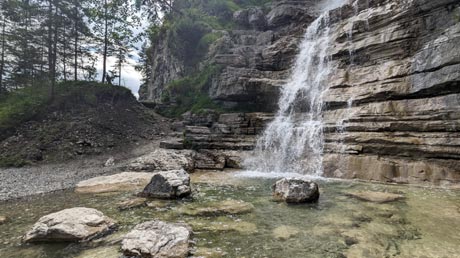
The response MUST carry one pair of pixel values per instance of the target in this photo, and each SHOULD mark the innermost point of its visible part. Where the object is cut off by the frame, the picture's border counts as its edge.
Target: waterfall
(293, 141)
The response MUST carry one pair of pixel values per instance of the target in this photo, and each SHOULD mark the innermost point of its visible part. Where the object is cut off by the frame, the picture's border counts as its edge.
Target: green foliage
(190, 93)
(28, 103)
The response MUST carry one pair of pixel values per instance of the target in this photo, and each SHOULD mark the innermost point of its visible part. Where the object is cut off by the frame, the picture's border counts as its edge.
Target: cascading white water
(293, 142)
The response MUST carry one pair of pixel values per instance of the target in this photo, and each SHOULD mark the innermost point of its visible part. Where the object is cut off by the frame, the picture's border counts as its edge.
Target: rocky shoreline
(23, 182)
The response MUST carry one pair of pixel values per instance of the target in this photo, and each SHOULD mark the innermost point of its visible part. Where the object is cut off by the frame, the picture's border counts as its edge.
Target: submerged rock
(157, 239)
(224, 224)
(100, 252)
(226, 207)
(125, 181)
(204, 252)
(132, 204)
(285, 232)
(378, 197)
(295, 190)
(168, 185)
(70, 225)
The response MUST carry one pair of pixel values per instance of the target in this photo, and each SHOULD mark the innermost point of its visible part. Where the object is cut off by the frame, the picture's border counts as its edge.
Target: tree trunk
(2, 59)
(76, 42)
(104, 57)
(50, 45)
(119, 70)
(64, 54)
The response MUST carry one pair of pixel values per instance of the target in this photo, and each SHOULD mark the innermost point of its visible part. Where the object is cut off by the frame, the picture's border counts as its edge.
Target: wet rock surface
(227, 207)
(295, 190)
(132, 204)
(168, 185)
(70, 225)
(285, 232)
(157, 239)
(377, 197)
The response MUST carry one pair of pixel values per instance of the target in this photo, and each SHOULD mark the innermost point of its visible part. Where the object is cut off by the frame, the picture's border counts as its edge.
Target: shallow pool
(425, 223)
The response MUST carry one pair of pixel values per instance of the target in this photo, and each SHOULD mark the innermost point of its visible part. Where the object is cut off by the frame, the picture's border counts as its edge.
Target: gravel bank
(22, 182)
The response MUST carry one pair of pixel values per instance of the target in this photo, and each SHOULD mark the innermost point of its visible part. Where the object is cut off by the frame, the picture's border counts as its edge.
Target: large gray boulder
(168, 185)
(157, 239)
(70, 225)
(295, 190)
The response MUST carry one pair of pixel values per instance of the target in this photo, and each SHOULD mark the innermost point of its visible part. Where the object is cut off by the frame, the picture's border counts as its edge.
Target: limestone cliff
(398, 65)
(393, 103)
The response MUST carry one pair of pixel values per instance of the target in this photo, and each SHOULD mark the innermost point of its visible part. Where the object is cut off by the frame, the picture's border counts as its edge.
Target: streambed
(424, 224)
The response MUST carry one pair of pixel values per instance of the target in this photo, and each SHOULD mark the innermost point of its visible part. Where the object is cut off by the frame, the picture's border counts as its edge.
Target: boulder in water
(168, 185)
(295, 190)
(157, 239)
(70, 225)
(3, 219)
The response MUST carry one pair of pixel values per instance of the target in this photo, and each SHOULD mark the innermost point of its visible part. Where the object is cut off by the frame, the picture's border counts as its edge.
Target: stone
(70, 225)
(126, 181)
(157, 239)
(132, 204)
(209, 159)
(168, 185)
(172, 144)
(295, 190)
(227, 207)
(285, 232)
(110, 162)
(164, 160)
(3, 220)
(377, 197)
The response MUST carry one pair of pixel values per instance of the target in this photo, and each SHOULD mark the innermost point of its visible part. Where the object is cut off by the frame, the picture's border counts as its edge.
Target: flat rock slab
(227, 207)
(157, 239)
(70, 225)
(168, 185)
(377, 197)
(126, 181)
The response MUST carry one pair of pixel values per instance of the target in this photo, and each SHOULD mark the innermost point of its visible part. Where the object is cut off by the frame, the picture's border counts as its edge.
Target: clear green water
(425, 224)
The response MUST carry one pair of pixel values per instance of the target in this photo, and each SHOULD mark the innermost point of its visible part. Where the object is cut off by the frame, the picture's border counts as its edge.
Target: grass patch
(29, 103)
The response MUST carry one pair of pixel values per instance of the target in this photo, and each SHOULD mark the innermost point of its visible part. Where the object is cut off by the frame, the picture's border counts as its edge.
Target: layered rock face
(393, 100)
